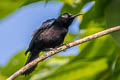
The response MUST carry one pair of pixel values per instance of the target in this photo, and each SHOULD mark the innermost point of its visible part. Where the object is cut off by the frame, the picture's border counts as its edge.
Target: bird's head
(66, 19)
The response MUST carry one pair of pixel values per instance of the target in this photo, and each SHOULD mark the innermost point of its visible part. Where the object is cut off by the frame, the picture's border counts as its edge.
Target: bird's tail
(31, 57)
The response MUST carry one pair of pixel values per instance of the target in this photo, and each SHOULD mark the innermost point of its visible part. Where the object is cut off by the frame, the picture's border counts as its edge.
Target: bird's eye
(64, 16)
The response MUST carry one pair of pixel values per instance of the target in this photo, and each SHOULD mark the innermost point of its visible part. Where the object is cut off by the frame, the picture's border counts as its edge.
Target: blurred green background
(98, 59)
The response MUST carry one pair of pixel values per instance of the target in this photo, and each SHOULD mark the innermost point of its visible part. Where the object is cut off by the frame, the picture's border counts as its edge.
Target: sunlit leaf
(69, 38)
(2, 77)
(80, 69)
(75, 7)
(50, 66)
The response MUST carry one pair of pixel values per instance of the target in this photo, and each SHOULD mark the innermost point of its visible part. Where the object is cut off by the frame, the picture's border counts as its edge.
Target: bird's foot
(48, 49)
(59, 45)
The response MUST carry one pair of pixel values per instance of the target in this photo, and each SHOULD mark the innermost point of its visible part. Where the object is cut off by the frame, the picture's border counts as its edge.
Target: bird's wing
(47, 24)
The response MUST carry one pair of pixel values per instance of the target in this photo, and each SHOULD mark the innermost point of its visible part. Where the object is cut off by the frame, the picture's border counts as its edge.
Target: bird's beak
(74, 16)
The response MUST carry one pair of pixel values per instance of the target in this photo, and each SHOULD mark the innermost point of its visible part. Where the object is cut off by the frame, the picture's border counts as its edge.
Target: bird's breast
(54, 33)
(53, 36)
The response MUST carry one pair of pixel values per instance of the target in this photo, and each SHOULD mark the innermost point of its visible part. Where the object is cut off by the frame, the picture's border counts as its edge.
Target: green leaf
(69, 38)
(19, 59)
(2, 77)
(92, 53)
(70, 2)
(73, 7)
(15, 63)
(112, 15)
(95, 16)
(9, 6)
(80, 69)
(50, 66)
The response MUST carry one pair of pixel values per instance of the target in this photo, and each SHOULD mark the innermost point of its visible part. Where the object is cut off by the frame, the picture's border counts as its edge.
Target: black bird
(48, 36)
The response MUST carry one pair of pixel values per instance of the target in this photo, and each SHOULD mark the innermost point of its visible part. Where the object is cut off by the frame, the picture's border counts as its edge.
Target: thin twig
(61, 48)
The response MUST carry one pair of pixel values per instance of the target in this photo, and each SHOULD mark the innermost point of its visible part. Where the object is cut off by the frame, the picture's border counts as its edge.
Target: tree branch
(61, 48)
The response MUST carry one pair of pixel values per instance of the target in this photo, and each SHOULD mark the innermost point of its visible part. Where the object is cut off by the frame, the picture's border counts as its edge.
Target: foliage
(98, 59)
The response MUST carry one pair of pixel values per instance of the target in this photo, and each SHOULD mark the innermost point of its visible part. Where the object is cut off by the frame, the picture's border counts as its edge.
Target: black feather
(50, 35)
(31, 57)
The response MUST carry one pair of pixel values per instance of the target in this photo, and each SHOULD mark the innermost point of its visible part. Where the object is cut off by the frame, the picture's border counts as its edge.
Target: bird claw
(48, 49)
(59, 45)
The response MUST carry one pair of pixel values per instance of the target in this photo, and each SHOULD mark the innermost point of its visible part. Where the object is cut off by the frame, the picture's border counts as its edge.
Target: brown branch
(61, 48)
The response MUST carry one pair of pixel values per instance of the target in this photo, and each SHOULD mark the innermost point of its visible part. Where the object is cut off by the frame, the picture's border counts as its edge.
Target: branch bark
(61, 48)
